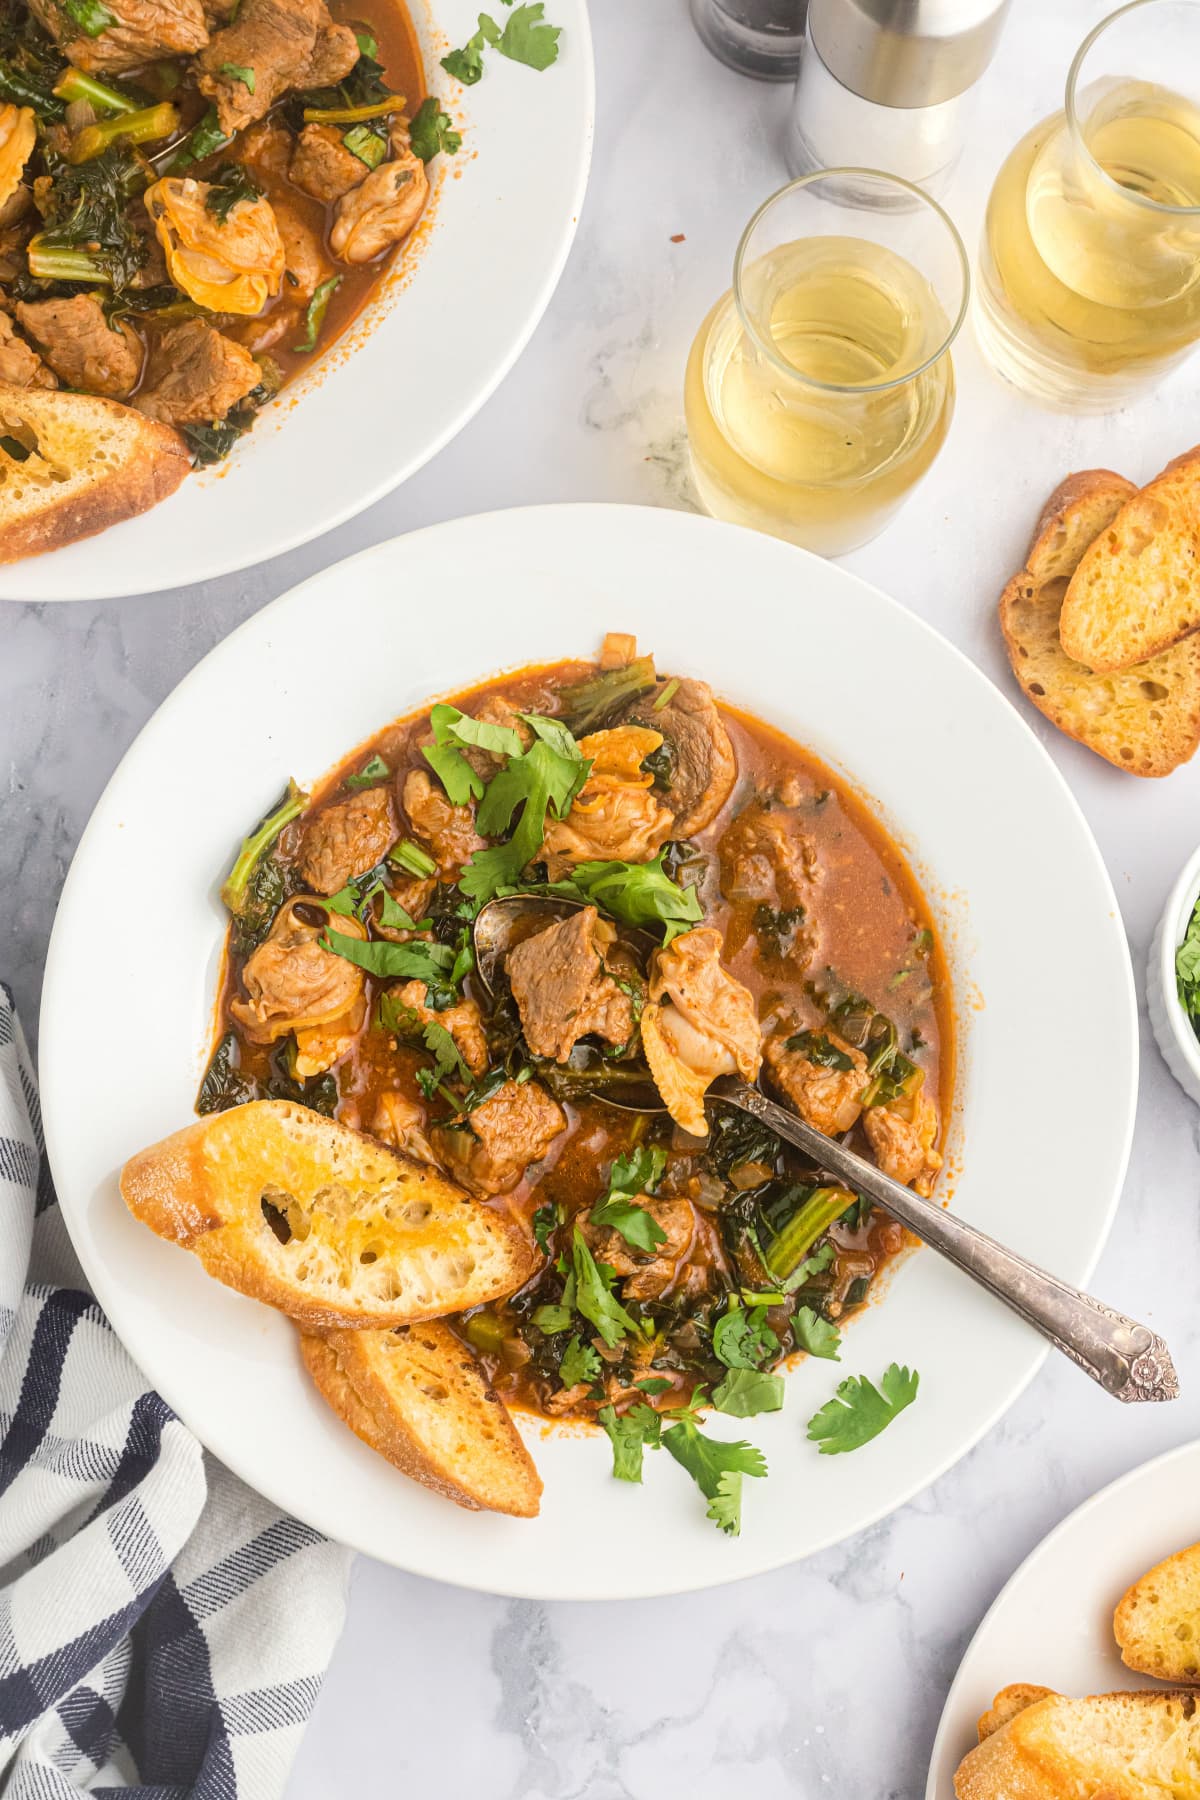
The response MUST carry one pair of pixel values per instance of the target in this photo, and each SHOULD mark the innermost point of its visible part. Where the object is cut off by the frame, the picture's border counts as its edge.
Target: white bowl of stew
(862, 690)
(411, 345)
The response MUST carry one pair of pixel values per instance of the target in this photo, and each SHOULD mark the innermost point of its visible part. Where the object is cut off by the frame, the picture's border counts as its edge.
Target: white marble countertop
(829, 1676)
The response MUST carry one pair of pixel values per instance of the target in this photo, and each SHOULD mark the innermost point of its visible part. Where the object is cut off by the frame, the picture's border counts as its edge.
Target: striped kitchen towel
(163, 1630)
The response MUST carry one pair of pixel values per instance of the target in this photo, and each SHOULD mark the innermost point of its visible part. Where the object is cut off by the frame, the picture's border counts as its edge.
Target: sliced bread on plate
(419, 1397)
(1157, 1623)
(326, 1224)
(1142, 1746)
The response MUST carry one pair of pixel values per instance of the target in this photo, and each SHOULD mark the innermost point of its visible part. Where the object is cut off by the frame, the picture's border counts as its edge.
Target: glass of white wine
(1089, 273)
(819, 389)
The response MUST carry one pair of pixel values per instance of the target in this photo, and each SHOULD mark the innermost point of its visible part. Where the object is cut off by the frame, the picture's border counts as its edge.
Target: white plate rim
(1043, 1551)
(1036, 1352)
(71, 574)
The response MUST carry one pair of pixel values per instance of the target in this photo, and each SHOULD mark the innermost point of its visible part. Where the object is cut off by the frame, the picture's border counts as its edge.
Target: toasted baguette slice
(1157, 1624)
(1145, 719)
(418, 1397)
(1137, 590)
(369, 1238)
(92, 463)
(1008, 1703)
(1109, 1747)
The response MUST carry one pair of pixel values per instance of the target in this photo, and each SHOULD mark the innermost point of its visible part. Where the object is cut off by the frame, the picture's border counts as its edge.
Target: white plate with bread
(1009, 883)
(434, 341)
(1083, 1677)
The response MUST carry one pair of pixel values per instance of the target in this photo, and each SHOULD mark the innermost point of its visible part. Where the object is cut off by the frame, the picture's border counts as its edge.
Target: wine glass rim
(1128, 194)
(767, 348)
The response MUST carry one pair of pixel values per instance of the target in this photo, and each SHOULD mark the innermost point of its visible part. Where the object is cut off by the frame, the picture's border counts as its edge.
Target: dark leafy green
(229, 184)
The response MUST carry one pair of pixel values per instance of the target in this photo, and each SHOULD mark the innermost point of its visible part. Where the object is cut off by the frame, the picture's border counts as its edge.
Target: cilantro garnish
(742, 1339)
(635, 893)
(237, 72)
(433, 130)
(551, 1319)
(815, 1334)
(452, 730)
(372, 771)
(526, 38)
(447, 1057)
(581, 1362)
(544, 778)
(716, 1467)
(629, 1433)
(745, 1392)
(860, 1411)
(417, 961)
(594, 1295)
(1187, 970)
(544, 1221)
(636, 1171)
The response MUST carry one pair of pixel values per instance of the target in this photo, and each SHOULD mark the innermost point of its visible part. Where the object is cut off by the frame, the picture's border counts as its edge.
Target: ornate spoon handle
(1127, 1359)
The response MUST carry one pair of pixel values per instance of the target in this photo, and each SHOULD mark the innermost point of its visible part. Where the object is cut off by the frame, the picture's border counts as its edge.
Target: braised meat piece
(346, 840)
(305, 264)
(196, 376)
(322, 166)
(647, 1277)
(384, 207)
(491, 1151)
(707, 1027)
(902, 1138)
(564, 987)
(142, 31)
(765, 857)
(614, 816)
(82, 347)
(700, 767)
(448, 830)
(462, 1021)
(19, 365)
(823, 1077)
(276, 42)
(291, 982)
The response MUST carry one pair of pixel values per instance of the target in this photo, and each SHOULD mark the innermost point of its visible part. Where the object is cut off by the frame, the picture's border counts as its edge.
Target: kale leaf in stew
(727, 906)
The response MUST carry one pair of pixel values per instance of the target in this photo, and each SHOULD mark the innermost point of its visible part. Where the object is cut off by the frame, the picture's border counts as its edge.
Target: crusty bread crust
(1107, 1747)
(1145, 720)
(1137, 590)
(96, 463)
(322, 1222)
(1157, 1623)
(418, 1397)
(1008, 1703)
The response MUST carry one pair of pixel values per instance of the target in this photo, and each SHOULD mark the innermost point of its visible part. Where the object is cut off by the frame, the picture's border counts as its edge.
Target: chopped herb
(635, 893)
(742, 1339)
(1187, 970)
(551, 1319)
(594, 1295)
(636, 1171)
(545, 1220)
(653, 1384)
(314, 318)
(629, 1433)
(860, 1410)
(417, 961)
(446, 1055)
(238, 72)
(373, 770)
(433, 130)
(581, 1362)
(717, 1468)
(745, 1392)
(466, 65)
(543, 779)
(452, 730)
(525, 38)
(815, 1334)
(367, 45)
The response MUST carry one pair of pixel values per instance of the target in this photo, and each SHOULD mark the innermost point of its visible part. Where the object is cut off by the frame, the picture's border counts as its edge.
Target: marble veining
(827, 1677)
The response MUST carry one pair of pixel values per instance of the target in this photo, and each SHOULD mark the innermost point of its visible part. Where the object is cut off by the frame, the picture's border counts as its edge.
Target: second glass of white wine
(819, 389)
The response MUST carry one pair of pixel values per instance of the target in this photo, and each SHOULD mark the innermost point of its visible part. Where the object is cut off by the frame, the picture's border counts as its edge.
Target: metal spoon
(1129, 1361)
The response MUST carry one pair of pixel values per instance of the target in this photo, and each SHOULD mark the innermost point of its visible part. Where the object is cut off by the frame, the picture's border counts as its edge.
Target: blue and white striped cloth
(163, 1631)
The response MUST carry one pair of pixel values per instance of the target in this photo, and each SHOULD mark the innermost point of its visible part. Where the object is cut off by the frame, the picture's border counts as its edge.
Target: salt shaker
(756, 37)
(887, 83)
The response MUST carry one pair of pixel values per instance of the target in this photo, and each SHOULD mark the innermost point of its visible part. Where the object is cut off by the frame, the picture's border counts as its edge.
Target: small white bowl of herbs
(1173, 987)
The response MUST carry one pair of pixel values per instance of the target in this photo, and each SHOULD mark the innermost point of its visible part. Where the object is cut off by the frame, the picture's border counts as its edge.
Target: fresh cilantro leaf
(638, 894)
(450, 726)
(581, 1362)
(653, 1384)
(544, 1221)
(446, 1055)
(636, 1171)
(395, 1016)
(860, 1411)
(237, 72)
(816, 1335)
(707, 1460)
(629, 1433)
(551, 1319)
(372, 771)
(454, 772)
(594, 1296)
(745, 1392)
(466, 65)
(525, 38)
(391, 914)
(542, 779)
(91, 17)
(418, 961)
(1187, 970)
(433, 130)
(742, 1339)
(367, 45)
